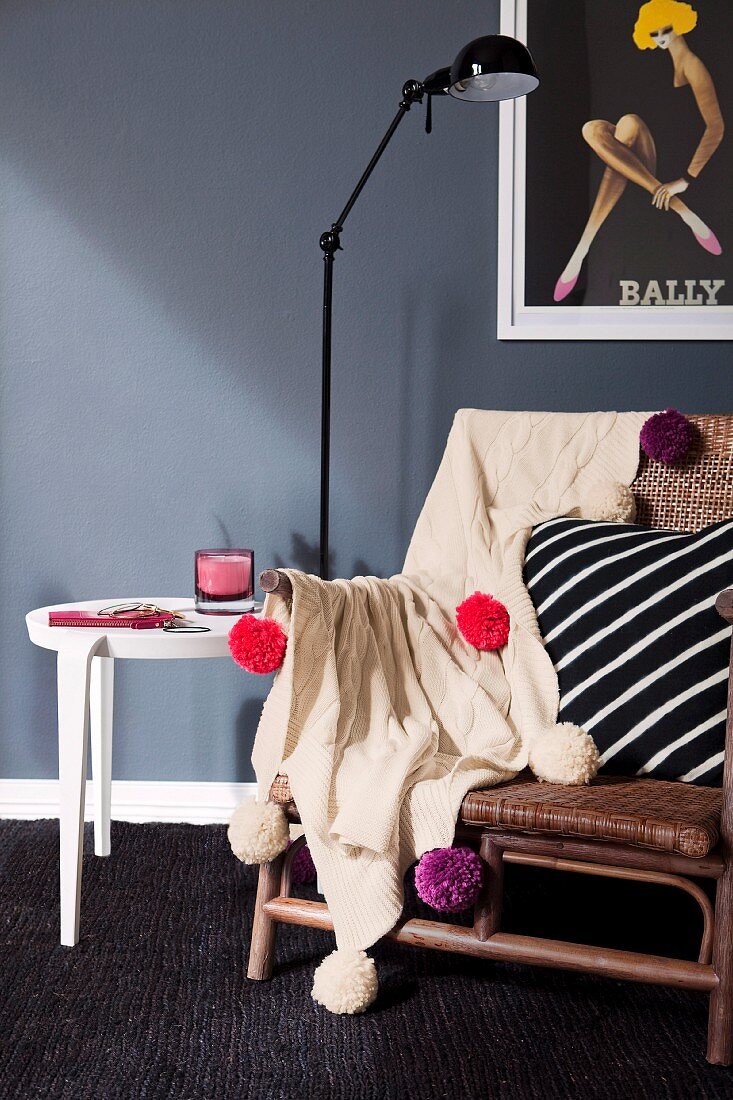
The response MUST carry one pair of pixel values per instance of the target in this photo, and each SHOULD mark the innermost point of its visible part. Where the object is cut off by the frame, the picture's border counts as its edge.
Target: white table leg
(73, 672)
(101, 696)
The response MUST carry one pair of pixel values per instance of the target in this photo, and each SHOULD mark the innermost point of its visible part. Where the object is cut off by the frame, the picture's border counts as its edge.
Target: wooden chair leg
(262, 945)
(720, 1021)
(487, 910)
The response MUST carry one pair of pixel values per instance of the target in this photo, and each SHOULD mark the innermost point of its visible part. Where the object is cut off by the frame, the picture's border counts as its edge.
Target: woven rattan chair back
(693, 493)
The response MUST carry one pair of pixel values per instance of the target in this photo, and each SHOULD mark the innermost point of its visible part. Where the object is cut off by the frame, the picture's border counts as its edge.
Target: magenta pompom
(666, 436)
(258, 645)
(483, 621)
(449, 879)
(302, 869)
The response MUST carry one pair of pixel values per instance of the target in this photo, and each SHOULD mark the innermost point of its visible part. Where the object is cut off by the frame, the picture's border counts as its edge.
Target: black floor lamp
(486, 70)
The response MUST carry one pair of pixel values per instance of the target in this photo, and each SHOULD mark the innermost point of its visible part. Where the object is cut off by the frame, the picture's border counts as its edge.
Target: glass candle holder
(225, 581)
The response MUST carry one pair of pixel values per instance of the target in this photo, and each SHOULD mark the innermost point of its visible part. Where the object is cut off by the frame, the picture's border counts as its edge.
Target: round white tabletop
(122, 642)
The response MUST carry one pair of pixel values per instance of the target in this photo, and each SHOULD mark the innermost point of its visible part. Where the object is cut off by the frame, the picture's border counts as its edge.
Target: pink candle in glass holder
(224, 581)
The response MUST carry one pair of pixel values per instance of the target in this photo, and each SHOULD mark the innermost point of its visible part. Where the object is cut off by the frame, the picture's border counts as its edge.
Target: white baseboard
(199, 803)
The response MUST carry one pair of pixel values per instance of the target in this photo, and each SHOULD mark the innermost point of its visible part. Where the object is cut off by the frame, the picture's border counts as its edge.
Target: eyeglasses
(178, 624)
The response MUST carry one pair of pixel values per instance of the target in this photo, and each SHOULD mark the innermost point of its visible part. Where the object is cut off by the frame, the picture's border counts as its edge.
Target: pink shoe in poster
(563, 287)
(710, 243)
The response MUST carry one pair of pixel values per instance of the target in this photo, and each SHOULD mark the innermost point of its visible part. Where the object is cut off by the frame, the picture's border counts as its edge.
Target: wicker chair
(641, 829)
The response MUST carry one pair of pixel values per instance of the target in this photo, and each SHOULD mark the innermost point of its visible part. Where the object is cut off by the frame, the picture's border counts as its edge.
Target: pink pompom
(449, 879)
(666, 436)
(258, 645)
(483, 621)
(302, 869)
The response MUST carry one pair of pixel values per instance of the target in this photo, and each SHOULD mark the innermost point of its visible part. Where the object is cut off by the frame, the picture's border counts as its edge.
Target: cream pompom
(564, 754)
(258, 831)
(609, 500)
(346, 981)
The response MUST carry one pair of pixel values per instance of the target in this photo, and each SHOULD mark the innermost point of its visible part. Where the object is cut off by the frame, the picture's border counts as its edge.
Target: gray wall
(166, 168)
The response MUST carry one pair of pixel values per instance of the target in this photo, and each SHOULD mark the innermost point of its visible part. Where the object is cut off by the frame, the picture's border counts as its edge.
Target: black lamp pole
(491, 68)
(330, 242)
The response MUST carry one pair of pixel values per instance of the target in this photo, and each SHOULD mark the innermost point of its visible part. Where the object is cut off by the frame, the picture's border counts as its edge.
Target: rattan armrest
(724, 605)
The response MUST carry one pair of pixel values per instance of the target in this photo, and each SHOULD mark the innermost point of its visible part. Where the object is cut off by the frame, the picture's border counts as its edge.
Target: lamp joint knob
(330, 241)
(412, 92)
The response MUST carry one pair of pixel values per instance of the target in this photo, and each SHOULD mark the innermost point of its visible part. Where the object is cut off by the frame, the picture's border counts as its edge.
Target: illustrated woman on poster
(627, 148)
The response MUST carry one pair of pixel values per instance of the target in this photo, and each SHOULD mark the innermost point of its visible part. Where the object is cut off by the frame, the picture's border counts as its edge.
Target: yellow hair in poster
(655, 15)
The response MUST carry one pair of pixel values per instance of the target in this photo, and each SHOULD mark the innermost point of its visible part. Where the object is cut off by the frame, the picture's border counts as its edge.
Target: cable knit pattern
(382, 716)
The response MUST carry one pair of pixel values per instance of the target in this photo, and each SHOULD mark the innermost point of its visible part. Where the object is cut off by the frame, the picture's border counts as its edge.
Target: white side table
(85, 684)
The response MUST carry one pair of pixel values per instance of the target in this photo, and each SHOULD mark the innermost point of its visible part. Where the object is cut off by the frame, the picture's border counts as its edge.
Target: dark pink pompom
(666, 436)
(302, 869)
(449, 879)
(483, 621)
(258, 645)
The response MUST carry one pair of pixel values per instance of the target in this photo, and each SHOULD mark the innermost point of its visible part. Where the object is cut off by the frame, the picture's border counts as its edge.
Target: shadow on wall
(304, 556)
(140, 131)
(133, 126)
(132, 123)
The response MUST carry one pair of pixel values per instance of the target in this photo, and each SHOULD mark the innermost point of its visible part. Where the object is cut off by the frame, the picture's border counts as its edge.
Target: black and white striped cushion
(628, 618)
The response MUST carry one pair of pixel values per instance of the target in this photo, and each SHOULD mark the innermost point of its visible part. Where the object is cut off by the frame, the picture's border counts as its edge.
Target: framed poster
(615, 176)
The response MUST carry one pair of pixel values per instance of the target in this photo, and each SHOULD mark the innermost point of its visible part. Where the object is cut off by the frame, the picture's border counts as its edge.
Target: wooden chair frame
(712, 973)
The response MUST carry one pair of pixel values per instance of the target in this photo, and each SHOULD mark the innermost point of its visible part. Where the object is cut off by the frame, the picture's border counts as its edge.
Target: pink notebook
(106, 622)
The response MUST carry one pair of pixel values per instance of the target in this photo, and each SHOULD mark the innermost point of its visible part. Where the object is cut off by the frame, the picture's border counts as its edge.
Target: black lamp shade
(491, 68)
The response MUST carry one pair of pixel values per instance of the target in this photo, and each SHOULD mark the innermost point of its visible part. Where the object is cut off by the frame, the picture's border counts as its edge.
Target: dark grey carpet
(153, 1002)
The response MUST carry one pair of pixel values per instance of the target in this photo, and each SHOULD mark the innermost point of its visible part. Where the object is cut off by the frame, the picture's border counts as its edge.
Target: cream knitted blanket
(382, 716)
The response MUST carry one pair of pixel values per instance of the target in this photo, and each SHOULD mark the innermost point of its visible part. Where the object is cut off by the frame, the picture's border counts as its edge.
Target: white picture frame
(518, 321)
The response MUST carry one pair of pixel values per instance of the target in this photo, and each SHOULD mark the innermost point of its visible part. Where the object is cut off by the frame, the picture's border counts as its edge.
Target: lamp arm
(330, 243)
(412, 92)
